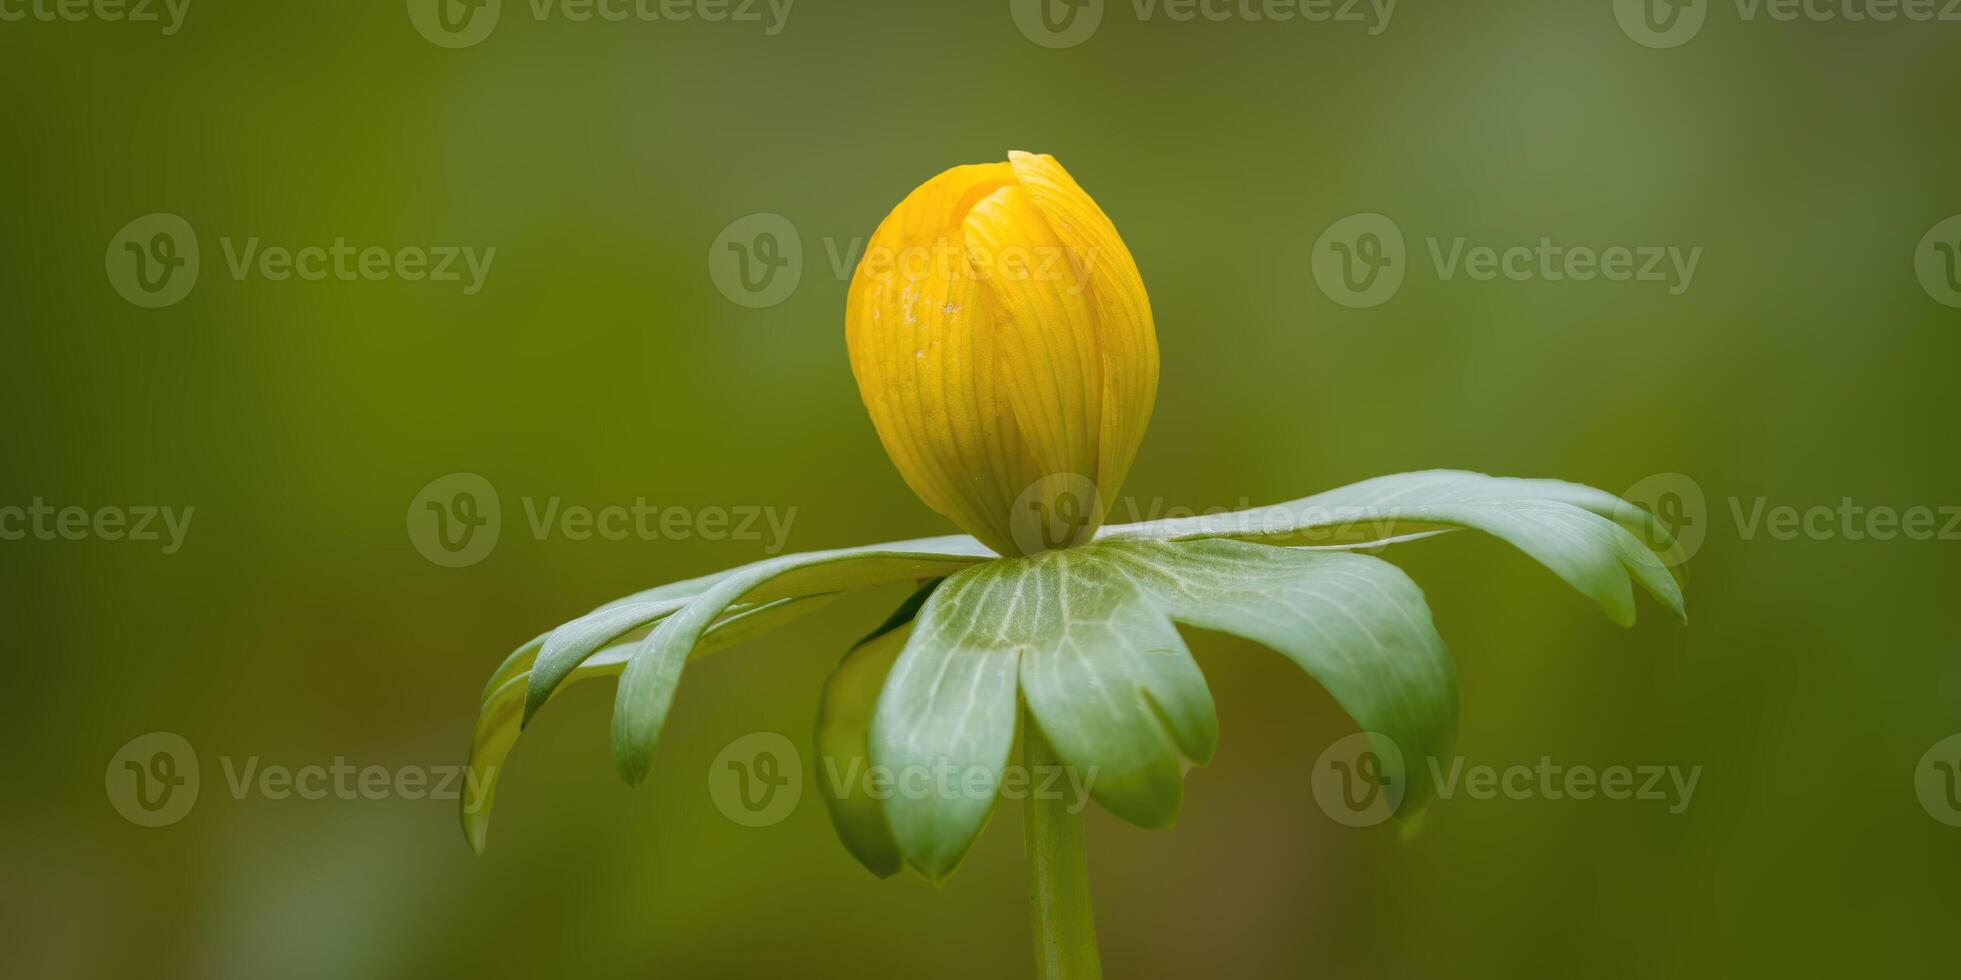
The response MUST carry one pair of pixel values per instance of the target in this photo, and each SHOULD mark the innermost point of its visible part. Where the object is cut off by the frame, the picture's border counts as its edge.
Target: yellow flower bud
(1003, 344)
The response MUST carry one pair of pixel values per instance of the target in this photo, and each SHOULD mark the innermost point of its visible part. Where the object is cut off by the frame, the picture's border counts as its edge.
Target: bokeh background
(299, 623)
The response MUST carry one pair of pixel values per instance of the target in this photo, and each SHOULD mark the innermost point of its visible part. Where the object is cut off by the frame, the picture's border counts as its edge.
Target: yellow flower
(1003, 344)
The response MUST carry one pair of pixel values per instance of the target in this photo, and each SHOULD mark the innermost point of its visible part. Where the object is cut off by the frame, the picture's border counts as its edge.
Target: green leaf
(569, 645)
(525, 657)
(1089, 636)
(1110, 682)
(945, 720)
(1086, 636)
(499, 721)
(647, 686)
(1585, 536)
(498, 727)
(844, 717)
(1103, 671)
(1357, 624)
(519, 661)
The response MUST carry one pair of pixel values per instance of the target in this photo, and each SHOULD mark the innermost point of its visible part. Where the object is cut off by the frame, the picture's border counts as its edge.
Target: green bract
(1085, 639)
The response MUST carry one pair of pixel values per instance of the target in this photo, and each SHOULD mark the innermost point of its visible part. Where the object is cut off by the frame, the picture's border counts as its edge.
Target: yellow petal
(923, 349)
(1128, 336)
(1048, 338)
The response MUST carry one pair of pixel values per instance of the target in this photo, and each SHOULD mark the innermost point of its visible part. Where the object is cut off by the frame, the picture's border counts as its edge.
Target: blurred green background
(600, 363)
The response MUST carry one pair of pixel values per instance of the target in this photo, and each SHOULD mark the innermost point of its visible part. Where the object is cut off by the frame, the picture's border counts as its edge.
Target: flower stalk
(1058, 873)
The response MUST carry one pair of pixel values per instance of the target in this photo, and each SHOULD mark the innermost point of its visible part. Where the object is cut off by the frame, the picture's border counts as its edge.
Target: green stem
(1058, 871)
